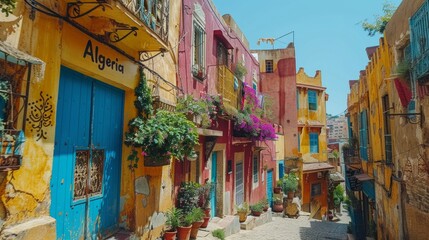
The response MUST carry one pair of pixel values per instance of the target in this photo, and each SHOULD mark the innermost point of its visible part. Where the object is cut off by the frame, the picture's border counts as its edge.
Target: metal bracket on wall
(115, 37)
(146, 55)
(413, 118)
(74, 8)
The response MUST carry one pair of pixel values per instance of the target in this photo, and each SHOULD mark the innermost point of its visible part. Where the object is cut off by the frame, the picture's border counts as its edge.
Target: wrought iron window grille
(14, 90)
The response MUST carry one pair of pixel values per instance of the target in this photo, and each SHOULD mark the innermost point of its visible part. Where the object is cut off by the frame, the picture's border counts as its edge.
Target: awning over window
(10, 55)
(368, 189)
(14, 55)
(219, 35)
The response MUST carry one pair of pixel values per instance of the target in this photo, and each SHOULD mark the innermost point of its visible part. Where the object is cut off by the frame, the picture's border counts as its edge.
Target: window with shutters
(312, 100)
(255, 166)
(363, 136)
(387, 133)
(314, 142)
(198, 49)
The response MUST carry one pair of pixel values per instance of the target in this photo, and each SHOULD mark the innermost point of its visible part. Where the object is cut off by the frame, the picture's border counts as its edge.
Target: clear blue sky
(328, 35)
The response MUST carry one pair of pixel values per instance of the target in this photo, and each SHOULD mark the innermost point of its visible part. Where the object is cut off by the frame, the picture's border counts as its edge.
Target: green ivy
(159, 136)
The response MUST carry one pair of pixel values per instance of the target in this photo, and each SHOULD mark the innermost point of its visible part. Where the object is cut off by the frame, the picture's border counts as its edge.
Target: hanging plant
(249, 121)
(240, 70)
(160, 136)
(198, 108)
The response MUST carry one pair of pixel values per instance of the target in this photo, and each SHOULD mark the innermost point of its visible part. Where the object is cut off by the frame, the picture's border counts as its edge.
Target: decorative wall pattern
(40, 115)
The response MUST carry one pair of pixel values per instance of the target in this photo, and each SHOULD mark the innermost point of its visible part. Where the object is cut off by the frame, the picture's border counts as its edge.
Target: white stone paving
(300, 228)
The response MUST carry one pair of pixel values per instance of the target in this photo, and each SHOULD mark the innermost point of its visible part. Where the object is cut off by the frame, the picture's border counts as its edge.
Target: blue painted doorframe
(87, 155)
(270, 187)
(214, 181)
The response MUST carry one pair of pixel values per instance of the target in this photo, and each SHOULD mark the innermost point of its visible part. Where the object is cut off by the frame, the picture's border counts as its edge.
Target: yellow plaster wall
(305, 114)
(388, 191)
(25, 192)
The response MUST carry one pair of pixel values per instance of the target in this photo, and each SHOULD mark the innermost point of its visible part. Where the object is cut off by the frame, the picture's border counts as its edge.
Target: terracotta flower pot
(290, 195)
(170, 235)
(184, 233)
(265, 208)
(278, 207)
(277, 190)
(195, 227)
(207, 211)
(242, 216)
(206, 222)
(256, 214)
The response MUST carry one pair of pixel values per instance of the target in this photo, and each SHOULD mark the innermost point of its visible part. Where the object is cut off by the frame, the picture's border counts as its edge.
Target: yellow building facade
(102, 44)
(311, 104)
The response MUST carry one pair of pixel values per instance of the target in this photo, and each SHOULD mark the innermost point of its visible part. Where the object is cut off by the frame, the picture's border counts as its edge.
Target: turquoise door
(281, 170)
(86, 169)
(214, 181)
(270, 186)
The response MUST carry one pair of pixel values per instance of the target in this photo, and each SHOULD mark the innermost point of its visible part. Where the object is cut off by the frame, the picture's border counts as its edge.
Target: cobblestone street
(301, 228)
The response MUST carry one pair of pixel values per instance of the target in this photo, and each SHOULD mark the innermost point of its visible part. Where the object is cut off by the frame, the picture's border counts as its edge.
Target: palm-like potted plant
(173, 221)
(257, 209)
(242, 211)
(197, 217)
(290, 184)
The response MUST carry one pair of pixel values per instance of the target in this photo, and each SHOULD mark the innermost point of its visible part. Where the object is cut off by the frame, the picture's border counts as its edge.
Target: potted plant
(256, 209)
(185, 227)
(205, 197)
(195, 110)
(188, 196)
(242, 211)
(173, 221)
(278, 188)
(265, 204)
(278, 204)
(338, 197)
(160, 136)
(197, 217)
(290, 184)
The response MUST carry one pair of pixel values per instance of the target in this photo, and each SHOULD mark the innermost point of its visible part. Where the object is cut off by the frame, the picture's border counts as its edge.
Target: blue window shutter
(312, 100)
(314, 142)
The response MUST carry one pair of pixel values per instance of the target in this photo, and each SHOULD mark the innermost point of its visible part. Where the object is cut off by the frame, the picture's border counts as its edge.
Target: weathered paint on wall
(308, 180)
(280, 87)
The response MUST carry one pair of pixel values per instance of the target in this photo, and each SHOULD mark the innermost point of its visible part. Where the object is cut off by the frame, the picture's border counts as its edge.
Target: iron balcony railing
(153, 13)
(351, 156)
(419, 25)
(228, 86)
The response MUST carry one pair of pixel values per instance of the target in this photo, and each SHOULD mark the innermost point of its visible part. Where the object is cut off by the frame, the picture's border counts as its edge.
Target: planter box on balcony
(156, 162)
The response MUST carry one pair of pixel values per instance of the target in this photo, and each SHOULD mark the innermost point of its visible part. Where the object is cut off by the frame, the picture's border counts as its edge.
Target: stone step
(229, 224)
(252, 221)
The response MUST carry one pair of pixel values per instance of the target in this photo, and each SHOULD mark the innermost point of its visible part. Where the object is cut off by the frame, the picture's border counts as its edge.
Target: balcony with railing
(228, 86)
(420, 43)
(351, 158)
(130, 25)
(153, 13)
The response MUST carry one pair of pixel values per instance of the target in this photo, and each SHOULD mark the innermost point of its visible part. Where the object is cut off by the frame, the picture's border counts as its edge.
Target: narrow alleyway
(300, 228)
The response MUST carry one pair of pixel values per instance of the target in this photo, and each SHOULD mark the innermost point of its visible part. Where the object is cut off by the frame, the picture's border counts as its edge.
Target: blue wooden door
(270, 186)
(281, 170)
(86, 169)
(214, 181)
